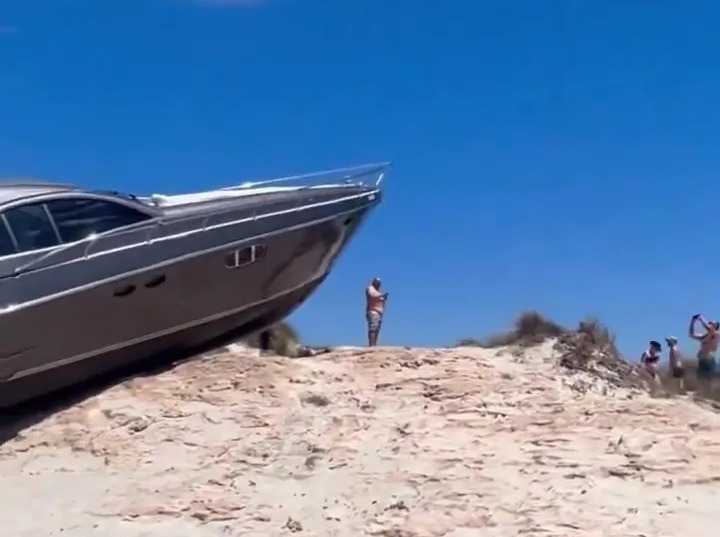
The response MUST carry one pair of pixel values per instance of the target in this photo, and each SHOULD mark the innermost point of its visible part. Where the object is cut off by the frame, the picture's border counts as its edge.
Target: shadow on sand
(14, 420)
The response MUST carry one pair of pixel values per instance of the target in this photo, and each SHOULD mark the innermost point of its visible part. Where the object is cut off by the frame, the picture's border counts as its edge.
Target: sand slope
(390, 442)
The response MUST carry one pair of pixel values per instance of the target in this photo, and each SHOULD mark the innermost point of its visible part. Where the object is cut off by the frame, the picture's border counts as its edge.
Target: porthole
(124, 291)
(156, 281)
(244, 256)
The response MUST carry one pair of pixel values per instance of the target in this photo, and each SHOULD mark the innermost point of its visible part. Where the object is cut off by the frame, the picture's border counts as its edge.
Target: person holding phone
(709, 342)
(375, 301)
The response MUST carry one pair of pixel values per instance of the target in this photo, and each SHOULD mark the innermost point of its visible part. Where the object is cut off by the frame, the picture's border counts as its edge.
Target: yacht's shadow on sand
(14, 420)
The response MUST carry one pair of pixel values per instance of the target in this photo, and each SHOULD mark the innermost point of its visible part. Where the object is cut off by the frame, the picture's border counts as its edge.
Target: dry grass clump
(531, 328)
(284, 339)
(598, 336)
(590, 348)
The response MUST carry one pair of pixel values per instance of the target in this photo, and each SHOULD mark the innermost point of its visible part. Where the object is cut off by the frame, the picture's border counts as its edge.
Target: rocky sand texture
(391, 442)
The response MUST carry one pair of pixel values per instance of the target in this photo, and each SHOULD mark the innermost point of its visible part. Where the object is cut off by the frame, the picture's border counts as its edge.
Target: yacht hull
(163, 350)
(169, 312)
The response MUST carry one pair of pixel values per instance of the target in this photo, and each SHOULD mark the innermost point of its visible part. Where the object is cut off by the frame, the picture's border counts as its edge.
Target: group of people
(709, 339)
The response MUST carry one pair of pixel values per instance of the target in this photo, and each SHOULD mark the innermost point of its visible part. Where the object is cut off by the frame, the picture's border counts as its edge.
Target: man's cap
(671, 339)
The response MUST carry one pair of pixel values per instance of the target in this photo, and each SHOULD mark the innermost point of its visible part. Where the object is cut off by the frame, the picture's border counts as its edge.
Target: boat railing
(91, 239)
(375, 173)
(346, 176)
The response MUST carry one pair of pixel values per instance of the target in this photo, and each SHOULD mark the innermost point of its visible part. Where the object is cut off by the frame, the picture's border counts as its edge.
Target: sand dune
(390, 442)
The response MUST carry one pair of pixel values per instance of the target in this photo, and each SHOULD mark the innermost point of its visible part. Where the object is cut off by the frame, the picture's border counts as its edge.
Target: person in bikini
(677, 371)
(709, 342)
(374, 310)
(650, 360)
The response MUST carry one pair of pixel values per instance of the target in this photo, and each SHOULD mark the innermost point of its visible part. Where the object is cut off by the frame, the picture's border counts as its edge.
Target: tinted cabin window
(7, 246)
(32, 227)
(78, 218)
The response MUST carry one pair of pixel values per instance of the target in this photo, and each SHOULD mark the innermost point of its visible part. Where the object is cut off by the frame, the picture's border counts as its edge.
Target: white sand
(396, 443)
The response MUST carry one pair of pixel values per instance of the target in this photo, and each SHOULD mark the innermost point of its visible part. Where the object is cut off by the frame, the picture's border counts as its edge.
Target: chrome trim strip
(154, 335)
(13, 238)
(154, 223)
(12, 308)
(52, 224)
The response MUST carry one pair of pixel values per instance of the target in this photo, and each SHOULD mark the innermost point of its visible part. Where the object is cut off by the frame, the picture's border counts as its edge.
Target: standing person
(709, 341)
(675, 363)
(264, 341)
(650, 360)
(374, 310)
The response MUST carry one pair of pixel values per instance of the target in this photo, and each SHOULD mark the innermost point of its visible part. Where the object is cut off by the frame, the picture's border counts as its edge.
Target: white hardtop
(366, 175)
(162, 200)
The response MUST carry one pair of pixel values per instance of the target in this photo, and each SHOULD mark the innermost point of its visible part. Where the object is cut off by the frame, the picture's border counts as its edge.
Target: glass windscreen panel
(76, 219)
(7, 244)
(31, 226)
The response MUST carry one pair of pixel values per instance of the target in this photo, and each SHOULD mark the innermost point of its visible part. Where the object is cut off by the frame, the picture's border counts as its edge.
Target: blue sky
(553, 155)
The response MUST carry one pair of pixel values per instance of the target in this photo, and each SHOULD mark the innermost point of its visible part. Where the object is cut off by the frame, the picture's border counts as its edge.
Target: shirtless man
(374, 310)
(709, 342)
(650, 360)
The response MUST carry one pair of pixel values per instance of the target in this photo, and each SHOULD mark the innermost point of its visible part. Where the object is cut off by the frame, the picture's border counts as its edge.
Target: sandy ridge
(389, 442)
